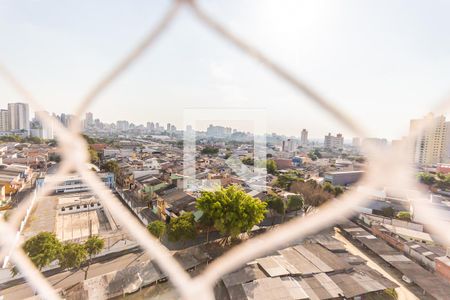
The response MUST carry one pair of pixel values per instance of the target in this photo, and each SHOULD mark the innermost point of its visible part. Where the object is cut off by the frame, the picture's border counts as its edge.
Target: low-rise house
(11, 183)
(174, 202)
(343, 178)
(145, 186)
(75, 183)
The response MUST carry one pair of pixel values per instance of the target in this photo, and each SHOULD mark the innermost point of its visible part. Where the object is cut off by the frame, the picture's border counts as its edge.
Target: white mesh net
(385, 168)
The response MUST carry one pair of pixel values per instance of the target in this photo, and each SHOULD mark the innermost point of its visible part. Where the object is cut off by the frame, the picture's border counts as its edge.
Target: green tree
(441, 176)
(72, 256)
(182, 228)
(111, 166)
(390, 294)
(312, 156)
(34, 140)
(232, 210)
(276, 205)
(335, 190)
(271, 166)
(388, 212)
(157, 229)
(426, 178)
(285, 181)
(313, 194)
(89, 139)
(248, 161)
(54, 157)
(94, 245)
(338, 191)
(210, 150)
(93, 156)
(404, 215)
(317, 153)
(42, 249)
(295, 203)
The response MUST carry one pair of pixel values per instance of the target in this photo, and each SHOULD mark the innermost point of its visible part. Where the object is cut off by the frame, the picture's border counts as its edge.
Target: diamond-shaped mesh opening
(385, 168)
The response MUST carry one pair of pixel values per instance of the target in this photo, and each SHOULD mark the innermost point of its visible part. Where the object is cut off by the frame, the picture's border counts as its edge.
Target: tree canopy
(157, 228)
(285, 181)
(404, 215)
(335, 190)
(295, 202)
(426, 178)
(248, 161)
(94, 245)
(210, 150)
(93, 156)
(276, 205)
(271, 166)
(232, 210)
(42, 249)
(313, 194)
(182, 228)
(72, 255)
(111, 166)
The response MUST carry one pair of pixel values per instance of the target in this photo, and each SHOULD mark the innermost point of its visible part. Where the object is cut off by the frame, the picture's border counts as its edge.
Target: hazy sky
(382, 61)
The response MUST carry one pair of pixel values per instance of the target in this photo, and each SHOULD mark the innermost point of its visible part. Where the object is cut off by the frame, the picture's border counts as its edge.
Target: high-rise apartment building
(89, 120)
(40, 128)
(4, 120)
(431, 145)
(122, 125)
(19, 118)
(334, 142)
(304, 138)
(289, 145)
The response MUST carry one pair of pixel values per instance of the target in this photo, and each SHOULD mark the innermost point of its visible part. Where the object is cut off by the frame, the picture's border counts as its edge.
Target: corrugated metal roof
(369, 284)
(304, 266)
(272, 267)
(295, 289)
(348, 285)
(329, 285)
(328, 257)
(266, 289)
(313, 259)
(392, 258)
(314, 289)
(247, 274)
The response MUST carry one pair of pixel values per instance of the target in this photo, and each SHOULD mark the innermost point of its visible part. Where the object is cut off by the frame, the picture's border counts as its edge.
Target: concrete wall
(442, 268)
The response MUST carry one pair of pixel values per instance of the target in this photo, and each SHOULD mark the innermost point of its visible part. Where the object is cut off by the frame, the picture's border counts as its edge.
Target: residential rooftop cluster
(164, 187)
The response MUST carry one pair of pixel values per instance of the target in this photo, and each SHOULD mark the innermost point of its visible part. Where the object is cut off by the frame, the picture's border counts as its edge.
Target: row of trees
(314, 154)
(44, 248)
(210, 150)
(269, 164)
(278, 205)
(19, 139)
(285, 180)
(313, 193)
(439, 181)
(389, 212)
(231, 211)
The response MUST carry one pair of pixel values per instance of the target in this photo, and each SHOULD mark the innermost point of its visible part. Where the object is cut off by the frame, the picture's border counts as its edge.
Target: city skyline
(325, 44)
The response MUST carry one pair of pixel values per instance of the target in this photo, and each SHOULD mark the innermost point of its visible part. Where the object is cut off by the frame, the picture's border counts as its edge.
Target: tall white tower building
(19, 116)
(430, 146)
(4, 120)
(304, 138)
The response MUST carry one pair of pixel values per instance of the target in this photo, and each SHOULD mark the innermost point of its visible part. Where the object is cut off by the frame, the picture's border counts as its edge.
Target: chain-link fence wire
(386, 167)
